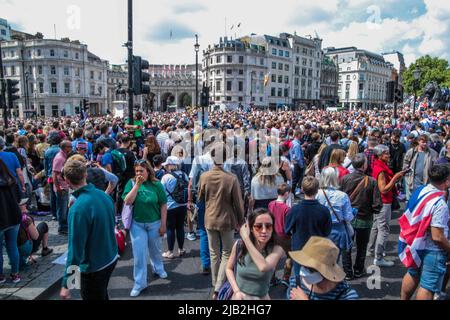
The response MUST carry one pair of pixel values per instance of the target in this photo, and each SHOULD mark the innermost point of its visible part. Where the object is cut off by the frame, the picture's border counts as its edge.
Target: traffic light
(11, 90)
(85, 105)
(140, 78)
(204, 98)
(399, 94)
(390, 91)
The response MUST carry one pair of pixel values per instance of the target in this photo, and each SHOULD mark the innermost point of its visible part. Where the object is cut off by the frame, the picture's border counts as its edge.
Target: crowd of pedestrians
(254, 188)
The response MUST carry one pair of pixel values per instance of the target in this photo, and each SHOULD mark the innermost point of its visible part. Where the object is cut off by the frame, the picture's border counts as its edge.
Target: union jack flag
(414, 225)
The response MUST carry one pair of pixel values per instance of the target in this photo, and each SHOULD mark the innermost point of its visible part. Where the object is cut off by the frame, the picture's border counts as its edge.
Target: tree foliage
(433, 69)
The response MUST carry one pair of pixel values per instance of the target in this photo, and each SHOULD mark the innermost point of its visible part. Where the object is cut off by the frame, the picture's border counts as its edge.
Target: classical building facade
(362, 77)
(55, 76)
(398, 61)
(329, 83)
(235, 71)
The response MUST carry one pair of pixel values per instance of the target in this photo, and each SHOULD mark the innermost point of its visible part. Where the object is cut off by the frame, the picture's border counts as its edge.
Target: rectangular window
(40, 70)
(286, 92)
(347, 87)
(274, 65)
(297, 71)
(55, 112)
(286, 67)
(13, 70)
(280, 66)
(228, 98)
(229, 71)
(241, 99)
(41, 87)
(52, 53)
(304, 72)
(348, 78)
(100, 76)
(53, 70)
(229, 85)
(77, 72)
(54, 88)
(304, 61)
(261, 61)
(229, 59)
(218, 86)
(286, 54)
(274, 51)
(280, 53)
(93, 90)
(218, 59)
(66, 71)
(39, 52)
(241, 72)
(272, 92)
(42, 111)
(66, 54)
(92, 75)
(361, 86)
(310, 73)
(280, 92)
(286, 79)
(78, 88)
(280, 79)
(296, 81)
(77, 55)
(67, 88)
(241, 59)
(241, 86)
(274, 78)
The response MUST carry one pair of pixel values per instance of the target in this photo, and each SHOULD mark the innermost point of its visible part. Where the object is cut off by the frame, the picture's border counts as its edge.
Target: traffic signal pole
(3, 90)
(130, 63)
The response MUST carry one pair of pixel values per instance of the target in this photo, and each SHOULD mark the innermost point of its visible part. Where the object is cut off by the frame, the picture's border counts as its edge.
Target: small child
(279, 209)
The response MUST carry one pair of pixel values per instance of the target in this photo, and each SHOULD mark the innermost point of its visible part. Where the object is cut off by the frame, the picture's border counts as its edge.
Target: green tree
(187, 100)
(433, 69)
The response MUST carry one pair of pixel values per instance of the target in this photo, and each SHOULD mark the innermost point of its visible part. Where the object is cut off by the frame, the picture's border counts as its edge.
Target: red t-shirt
(279, 211)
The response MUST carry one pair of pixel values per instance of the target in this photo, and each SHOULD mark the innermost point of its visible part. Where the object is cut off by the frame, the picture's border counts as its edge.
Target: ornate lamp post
(417, 74)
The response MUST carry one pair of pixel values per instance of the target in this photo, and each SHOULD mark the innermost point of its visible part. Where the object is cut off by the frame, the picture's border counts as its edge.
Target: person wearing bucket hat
(321, 278)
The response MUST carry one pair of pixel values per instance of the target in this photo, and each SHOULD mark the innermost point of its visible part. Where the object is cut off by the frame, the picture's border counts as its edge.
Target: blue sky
(165, 29)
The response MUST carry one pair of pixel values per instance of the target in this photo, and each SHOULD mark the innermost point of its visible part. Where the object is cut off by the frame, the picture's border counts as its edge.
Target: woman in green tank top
(257, 260)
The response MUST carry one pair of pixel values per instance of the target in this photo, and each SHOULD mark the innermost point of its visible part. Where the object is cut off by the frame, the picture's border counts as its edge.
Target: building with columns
(55, 76)
(235, 70)
(329, 83)
(5, 30)
(362, 77)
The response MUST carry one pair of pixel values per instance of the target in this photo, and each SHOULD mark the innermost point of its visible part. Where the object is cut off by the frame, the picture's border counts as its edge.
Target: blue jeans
(62, 203)
(52, 201)
(10, 234)
(146, 240)
(204, 245)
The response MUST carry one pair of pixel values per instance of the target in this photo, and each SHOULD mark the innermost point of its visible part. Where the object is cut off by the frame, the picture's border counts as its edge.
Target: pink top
(58, 166)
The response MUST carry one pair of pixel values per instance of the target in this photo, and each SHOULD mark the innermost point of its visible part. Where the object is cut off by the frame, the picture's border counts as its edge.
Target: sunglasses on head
(259, 226)
(140, 162)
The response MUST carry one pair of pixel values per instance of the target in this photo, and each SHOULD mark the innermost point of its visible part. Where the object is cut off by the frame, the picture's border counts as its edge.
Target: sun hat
(171, 161)
(320, 254)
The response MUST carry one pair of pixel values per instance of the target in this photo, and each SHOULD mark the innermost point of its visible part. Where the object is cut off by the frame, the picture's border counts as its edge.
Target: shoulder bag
(226, 291)
(348, 226)
(127, 214)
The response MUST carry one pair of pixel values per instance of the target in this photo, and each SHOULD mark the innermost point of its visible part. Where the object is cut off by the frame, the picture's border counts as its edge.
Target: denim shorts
(432, 272)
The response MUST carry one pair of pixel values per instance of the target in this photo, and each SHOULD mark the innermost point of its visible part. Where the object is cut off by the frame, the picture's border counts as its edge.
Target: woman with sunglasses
(148, 198)
(256, 257)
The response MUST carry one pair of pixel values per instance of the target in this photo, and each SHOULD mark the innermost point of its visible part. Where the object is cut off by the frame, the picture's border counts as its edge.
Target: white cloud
(104, 24)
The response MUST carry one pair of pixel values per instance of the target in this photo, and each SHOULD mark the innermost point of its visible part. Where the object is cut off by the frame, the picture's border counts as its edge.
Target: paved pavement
(40, 276)
(186, 283)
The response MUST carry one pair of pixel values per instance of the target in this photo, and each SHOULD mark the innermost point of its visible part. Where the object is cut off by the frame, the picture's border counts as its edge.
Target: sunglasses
(259, 226)
(140, 162)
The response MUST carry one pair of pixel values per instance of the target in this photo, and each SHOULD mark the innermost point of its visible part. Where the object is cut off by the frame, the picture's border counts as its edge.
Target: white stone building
(306, 69)
(235, 71)
(362, 77)
(398, 61)
(55, 76)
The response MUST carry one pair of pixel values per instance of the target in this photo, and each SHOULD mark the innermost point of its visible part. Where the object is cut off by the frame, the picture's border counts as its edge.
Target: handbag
(226, 290)
(127, 215)
(348, 225)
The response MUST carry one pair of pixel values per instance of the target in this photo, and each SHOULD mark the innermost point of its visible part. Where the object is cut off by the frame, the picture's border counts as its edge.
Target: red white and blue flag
(414, 225)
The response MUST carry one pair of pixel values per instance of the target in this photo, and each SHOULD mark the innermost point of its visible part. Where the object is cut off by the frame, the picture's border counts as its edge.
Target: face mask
(311, 278)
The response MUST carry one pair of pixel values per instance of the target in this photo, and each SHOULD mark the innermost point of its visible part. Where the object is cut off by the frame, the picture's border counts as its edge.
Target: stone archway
(167, 99)
(184, 100)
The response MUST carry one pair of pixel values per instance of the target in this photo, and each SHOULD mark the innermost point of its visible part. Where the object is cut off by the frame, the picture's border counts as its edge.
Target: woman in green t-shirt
(148, 198)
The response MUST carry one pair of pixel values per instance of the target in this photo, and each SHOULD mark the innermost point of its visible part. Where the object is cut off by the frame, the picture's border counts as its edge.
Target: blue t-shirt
(11, 162)
(107, 159)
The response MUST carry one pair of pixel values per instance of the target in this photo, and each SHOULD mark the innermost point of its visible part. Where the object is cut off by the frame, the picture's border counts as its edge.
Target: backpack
(120, 164)
(180, 193)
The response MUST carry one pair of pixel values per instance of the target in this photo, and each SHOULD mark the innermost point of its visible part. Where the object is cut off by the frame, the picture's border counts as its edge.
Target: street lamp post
(417, 74)
(197, 49)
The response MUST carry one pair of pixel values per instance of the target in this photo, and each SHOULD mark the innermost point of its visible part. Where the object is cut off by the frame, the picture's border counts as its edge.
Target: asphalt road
(186, 283)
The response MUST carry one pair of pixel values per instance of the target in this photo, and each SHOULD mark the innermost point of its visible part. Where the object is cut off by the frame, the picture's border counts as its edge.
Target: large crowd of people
(255, 188)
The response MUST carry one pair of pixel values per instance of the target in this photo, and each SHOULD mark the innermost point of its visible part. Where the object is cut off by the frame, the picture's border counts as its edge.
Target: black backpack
(180, 193)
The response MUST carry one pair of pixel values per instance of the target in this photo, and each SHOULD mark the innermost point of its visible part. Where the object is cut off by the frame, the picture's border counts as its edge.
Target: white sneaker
(168, 255)
(181, 253)
(191, 236)
(135, 293)
(383, 263)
